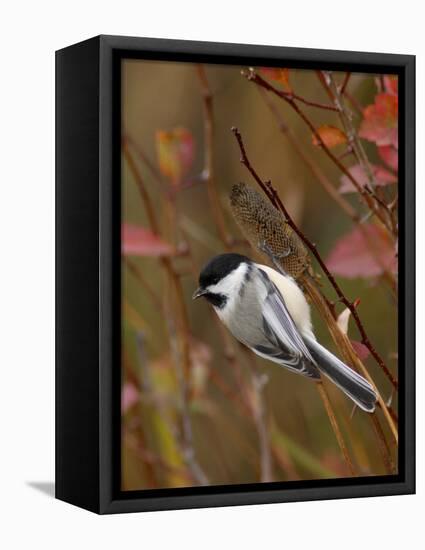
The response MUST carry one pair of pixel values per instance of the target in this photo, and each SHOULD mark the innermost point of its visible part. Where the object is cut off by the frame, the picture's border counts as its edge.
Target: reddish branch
(187, 446)
(325, 398)
(336, 96)
(271, 193)
(259, 415)
(363, 191)
(345, 83)
(354, 103)
(291, 97)
(128, 140)
(327, 185)
(308, 161)
(208, 174)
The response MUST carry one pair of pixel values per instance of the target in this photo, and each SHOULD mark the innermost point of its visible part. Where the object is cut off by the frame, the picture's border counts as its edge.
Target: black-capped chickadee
(267, 312)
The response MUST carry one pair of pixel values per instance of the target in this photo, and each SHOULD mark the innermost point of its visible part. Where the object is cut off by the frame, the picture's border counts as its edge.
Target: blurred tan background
(162, 96)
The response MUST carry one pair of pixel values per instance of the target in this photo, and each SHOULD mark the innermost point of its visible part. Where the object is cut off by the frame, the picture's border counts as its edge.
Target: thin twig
(354, 103)
(129, 141)
(186, 443)
(229, 355)
(364, 192)
(149, 458)
(238, 396)
(331, 88)
(150, 212)
(275, 200)
(344, 344)
(166, 263)
(327, 404)
(345, 82)
(383, 446)
(291, 96)
(138, 274)
(309, 161)
(259, 412)
(259, 415)
(184, 375)
(229, 392)
(335, 95)
(208, 173)
(393, 414)
(139, 382)
(327, 185)
(322, 392)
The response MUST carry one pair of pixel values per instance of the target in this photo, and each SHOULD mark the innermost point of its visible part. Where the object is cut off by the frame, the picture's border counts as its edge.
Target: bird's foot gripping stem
(274, 258)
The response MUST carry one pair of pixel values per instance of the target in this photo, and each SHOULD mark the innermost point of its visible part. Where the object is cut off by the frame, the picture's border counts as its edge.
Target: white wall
(30, 32)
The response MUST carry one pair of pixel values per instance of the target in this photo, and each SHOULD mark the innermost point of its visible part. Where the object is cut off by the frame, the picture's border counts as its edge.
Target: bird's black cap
(220, 266)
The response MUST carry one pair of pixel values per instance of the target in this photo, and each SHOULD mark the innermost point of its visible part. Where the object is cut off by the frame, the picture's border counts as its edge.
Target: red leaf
(175, 150)
(138, 241)
(382, 177)
(279, 75)
(380, 120)
(389, 155)
(361, 350)
(330, 135)
(129, 396)
(364, 252)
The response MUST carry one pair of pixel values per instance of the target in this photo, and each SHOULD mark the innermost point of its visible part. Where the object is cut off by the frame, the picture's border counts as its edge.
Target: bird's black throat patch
(217, 300)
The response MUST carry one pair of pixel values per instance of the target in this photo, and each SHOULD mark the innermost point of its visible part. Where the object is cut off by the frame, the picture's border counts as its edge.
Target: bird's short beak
(198, 293)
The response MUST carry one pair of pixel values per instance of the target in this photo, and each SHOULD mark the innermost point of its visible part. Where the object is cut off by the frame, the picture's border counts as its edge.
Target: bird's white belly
(243, 313)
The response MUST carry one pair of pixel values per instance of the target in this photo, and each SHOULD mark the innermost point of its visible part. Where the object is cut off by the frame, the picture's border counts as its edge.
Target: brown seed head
(262, 224)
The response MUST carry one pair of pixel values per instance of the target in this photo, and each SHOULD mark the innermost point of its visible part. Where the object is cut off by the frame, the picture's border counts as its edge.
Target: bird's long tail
(349, 381)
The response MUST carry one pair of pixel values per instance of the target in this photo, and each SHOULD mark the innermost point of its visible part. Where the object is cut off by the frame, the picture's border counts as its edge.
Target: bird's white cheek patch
(229, 286)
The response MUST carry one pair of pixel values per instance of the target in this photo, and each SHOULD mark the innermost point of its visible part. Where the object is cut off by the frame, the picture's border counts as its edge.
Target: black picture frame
(88, 274)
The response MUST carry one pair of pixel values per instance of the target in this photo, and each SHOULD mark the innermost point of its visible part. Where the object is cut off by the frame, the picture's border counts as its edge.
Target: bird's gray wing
(284, 344)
